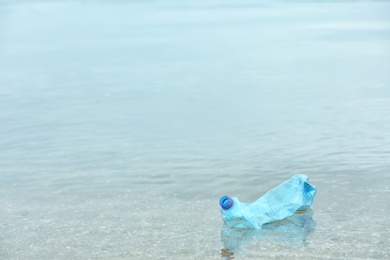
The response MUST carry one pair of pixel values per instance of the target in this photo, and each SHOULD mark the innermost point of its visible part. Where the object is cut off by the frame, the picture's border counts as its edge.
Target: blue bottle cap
(225, 202)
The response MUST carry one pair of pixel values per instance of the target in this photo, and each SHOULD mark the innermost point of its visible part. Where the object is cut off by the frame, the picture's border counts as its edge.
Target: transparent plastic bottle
(295, 194)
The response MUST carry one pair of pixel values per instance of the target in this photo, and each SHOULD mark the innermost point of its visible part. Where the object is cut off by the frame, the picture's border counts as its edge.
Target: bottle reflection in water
(292, 230)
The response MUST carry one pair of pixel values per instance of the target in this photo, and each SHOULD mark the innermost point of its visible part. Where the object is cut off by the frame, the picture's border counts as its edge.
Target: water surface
(123, 122)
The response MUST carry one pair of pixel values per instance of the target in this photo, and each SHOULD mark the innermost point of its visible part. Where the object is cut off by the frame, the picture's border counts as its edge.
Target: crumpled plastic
(295, 194)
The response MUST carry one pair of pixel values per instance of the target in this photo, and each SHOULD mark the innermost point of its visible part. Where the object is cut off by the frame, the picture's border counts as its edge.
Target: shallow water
(122, 123)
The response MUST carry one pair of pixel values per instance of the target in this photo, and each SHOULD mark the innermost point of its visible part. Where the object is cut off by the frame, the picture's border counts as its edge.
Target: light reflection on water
(122, 123)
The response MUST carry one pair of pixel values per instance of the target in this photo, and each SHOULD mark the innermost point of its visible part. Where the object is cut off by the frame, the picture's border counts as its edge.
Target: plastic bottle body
(281, 202)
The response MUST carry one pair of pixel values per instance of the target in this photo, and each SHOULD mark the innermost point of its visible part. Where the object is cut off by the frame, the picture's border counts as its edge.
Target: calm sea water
(123, 122)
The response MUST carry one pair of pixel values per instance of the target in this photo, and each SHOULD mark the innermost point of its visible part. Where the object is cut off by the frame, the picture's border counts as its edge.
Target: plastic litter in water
(295, 194)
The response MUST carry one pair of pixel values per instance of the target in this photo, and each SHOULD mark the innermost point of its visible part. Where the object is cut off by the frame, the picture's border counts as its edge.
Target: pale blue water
(123, 122)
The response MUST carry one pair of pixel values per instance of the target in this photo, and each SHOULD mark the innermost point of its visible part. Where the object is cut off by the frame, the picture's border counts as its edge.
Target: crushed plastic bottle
(295, 194)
